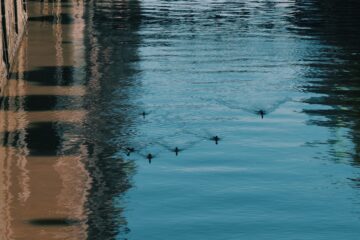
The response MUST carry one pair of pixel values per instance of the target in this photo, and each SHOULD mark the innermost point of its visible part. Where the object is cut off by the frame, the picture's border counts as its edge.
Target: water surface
(183, 120)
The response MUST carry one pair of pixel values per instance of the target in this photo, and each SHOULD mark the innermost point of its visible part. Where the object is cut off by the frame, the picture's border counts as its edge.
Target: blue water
(165, 74)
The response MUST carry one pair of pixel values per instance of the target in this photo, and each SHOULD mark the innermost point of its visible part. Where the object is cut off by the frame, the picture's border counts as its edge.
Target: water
(101, 85)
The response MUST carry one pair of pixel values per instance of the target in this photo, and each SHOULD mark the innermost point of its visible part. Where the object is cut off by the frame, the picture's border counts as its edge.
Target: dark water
(183, 120)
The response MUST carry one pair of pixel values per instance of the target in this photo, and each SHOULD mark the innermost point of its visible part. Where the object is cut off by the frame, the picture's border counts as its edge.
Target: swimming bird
(129, 150)
(206, 135)
(258, 108)
(262, 113)
(147, 112)
(176, 150)
(216, 139)
(149, 157)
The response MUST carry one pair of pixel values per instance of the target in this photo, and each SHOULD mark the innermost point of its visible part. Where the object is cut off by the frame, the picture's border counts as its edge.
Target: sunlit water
(184, 120)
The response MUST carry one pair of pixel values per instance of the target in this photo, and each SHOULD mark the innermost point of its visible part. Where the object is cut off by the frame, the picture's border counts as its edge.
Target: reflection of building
(43, 192)
(110, 68)
(55, 179)
(13, 19)
(336, 79)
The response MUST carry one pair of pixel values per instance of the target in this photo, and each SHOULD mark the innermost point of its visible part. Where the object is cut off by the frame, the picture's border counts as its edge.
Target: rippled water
(173, 119)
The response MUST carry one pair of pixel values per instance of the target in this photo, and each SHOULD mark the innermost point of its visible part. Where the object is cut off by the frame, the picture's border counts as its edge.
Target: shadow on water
(110, 83)
(68, 157)
(42, 139)
(50, 75)
(336, 79)
(335, 22)
(40, 103)
(48, 222)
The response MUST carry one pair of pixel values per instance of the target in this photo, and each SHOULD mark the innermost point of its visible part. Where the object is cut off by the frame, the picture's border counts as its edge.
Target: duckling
(216, 139)
(262, 113)
(149, 157)
(129, 150)
(176, 150)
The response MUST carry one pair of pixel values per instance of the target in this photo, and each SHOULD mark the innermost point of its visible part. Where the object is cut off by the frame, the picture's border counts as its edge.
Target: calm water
(142, 120)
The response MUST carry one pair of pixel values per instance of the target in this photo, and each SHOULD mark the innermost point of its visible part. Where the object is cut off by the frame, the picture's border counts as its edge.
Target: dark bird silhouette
(177, 150)
(216, 139)
(262, 113)
(206, 135)
(145, 113)
(149, 157)
(258, 109)
(129, 150)
(146, 150)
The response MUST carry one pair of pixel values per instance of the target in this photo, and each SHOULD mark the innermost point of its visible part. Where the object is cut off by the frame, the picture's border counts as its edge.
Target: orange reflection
(23, 88)
(55, 192)
(44, 197)
(17, 120)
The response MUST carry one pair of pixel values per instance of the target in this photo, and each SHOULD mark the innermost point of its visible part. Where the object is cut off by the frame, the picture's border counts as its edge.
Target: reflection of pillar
(12, 127)
(5, 194)
(94, 50)
(58, 36)
(23, 151)
(44, 8)
(77, 30)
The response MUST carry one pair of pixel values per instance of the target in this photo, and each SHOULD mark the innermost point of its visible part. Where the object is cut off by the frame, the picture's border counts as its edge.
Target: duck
(262, 113)
(149, 157)
(176, 150)
(129, 150)
(216, 139)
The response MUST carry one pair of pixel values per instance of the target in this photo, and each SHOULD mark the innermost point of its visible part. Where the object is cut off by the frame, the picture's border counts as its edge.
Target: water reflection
(110, 83)
(57, 75)
(60, 18)
(43, 188)
(334, 79)
(53, 222)
(242, 71)
(55, 157)
(210, 92)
